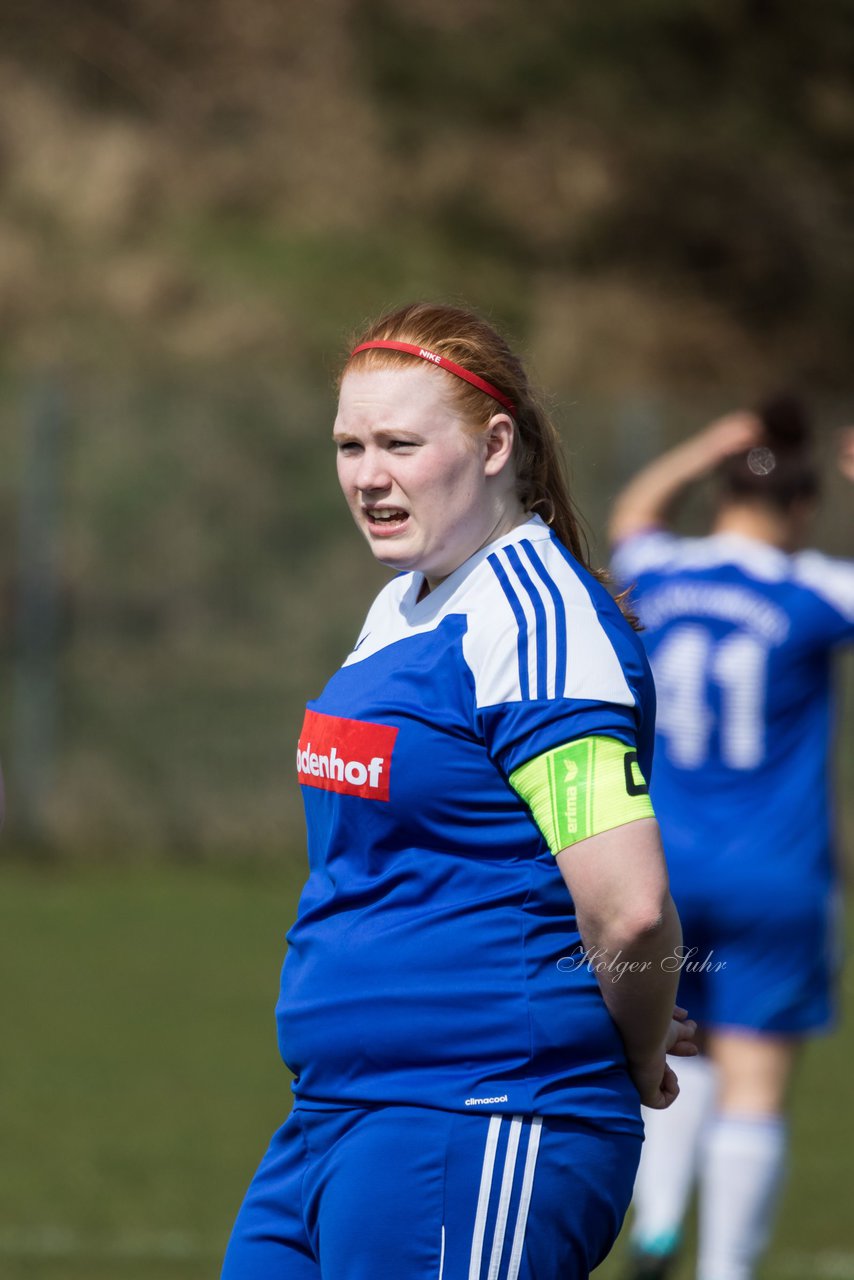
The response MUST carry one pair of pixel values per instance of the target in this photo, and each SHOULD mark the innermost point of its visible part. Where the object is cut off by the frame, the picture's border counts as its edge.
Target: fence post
(34, 721)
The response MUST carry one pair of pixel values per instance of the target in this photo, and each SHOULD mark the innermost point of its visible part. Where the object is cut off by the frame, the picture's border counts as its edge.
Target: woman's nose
(372, 472)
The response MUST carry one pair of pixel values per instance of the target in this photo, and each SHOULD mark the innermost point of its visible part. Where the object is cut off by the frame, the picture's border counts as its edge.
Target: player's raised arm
(845, 460)
(648, 499)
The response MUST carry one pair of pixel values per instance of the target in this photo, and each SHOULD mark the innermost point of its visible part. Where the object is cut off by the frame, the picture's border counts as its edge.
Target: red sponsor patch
(350, 756)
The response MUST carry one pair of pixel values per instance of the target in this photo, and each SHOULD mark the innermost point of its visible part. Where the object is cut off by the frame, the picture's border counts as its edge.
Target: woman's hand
(680, 1038)
(733, 433)
(656, 1081)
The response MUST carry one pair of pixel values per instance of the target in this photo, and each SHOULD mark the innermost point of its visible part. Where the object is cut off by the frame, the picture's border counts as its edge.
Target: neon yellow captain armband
(582, 788)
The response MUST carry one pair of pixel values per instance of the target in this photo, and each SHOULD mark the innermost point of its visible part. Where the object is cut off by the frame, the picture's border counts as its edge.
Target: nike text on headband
(441, 362)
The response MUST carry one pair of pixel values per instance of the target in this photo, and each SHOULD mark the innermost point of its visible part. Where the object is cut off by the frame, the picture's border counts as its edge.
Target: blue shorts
(758, 955)
(407, 1193)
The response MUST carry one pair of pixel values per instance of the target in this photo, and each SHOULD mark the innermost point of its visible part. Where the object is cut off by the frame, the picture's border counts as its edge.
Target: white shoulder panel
(832, 580)
(757, 559)
(643, 552)
(593, 668)
(535, 633)
(490, 646)
(648, 552)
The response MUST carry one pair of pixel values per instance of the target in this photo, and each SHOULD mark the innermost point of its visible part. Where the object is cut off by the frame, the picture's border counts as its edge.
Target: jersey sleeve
(553, 661)
(831, 582)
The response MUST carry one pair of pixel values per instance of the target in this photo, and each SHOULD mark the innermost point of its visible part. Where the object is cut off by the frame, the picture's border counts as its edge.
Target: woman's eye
(402, 444)
(348, 446)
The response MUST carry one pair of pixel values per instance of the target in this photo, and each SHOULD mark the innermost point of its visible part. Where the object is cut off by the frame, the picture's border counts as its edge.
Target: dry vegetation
(662, 185)
(200, 201)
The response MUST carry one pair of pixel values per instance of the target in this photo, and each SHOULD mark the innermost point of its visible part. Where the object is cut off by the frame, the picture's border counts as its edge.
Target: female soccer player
(740, 627)
(470, 1044)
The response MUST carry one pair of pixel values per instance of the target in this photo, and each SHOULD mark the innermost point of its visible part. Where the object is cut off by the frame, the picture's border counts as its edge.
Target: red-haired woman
(470, 1042)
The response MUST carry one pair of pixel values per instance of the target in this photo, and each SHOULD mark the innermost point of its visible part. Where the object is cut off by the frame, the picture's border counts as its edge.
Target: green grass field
(139, 1078)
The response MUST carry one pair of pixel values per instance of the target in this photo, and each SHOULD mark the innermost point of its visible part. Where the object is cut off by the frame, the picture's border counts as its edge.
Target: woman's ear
(498, 438)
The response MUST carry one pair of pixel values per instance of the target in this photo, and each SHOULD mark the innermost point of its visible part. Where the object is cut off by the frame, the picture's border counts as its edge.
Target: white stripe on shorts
(525, 1199)
(504, 1198)
(483, 1197)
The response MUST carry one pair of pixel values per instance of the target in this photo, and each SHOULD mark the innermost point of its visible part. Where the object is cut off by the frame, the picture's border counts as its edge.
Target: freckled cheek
(454, 480)
(459, 491)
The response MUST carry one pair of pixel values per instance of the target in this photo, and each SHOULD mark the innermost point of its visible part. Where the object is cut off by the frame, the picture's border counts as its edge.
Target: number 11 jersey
(740, 637)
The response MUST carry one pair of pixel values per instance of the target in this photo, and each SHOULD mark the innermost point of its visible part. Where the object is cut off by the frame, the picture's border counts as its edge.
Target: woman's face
(425, 492)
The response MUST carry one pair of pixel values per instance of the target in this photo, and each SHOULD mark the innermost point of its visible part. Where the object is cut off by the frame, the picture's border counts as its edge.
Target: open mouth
(385, 519)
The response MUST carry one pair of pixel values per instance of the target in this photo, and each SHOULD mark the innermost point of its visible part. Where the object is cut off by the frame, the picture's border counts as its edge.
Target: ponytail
(541, 480)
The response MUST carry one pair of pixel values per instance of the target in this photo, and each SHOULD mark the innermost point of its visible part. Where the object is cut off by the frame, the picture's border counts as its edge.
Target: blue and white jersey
(741, 637)
(424, 964)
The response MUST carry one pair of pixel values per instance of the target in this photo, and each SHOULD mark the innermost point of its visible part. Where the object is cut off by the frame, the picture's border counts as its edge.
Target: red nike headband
(441, 362)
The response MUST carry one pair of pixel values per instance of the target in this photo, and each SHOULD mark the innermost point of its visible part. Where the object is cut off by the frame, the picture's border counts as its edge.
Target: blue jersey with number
(740, 636)
(428, 962)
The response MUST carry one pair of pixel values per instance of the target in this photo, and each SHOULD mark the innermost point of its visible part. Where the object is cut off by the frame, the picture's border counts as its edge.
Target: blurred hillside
(652, 189)
(200, 203)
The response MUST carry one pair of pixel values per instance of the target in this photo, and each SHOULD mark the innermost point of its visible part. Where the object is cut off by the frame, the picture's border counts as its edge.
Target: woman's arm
(629, 928)
(648, 498)
(846, 453)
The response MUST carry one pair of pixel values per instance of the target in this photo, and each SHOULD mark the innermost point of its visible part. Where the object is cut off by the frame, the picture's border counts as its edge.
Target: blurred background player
(740, 627)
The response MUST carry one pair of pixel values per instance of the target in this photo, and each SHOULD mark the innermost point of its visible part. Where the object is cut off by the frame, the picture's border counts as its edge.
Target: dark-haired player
(740, 627)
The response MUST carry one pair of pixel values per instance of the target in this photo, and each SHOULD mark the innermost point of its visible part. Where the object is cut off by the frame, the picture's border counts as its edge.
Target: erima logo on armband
(352, 757)
(585, 787)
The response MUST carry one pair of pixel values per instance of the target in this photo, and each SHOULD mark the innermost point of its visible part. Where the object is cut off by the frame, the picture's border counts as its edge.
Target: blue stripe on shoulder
(541, 652)
(560, 614)
(519, 613)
